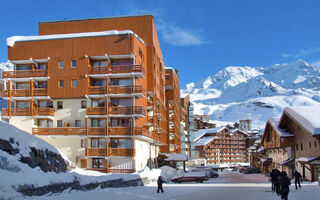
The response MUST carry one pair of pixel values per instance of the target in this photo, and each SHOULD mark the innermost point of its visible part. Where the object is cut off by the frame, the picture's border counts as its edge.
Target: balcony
(116, 90)
(59, 131)
(120, 152)
(16, 111)
(96, 152)
(25, 92)
(25, 73)
(128, 111)
(43, 111)
(117, 70)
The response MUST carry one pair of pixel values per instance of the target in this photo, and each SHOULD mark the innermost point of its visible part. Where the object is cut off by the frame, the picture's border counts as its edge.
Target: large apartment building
(221, 145)
(95, 89)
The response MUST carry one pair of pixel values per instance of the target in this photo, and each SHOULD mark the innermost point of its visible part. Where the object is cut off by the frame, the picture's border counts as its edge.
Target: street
(227, 186)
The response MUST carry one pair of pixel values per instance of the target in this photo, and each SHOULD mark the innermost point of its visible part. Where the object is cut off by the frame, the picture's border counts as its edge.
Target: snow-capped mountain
(255, 92)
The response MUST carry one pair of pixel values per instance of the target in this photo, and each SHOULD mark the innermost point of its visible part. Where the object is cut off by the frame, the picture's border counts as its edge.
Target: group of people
(281, 182)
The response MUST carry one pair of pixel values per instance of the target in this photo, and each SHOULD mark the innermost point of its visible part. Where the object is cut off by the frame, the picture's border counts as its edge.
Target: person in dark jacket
(160, 181)
(284, 182)
(297, 179)
(274, 179)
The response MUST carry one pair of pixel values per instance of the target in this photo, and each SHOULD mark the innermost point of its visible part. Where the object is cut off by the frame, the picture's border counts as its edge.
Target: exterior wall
(69, 146)
(71, 111)
(22, 122)
(143, 154)
(191, 131)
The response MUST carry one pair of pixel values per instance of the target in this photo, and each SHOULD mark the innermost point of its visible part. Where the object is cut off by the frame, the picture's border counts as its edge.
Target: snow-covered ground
(228, 186)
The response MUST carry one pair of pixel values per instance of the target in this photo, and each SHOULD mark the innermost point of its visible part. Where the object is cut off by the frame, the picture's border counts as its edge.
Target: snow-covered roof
(170, 68)
(176, 157)
(235, 130)
(13, 39)
(273, 122)
(202, 132)
(204, 141)
(306, 116)
(252, 148)
(308, 159)
(260, 149)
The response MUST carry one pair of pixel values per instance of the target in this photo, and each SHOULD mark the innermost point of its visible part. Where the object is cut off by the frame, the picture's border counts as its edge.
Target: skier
(284, 182)
(159, 182)
(297, 179)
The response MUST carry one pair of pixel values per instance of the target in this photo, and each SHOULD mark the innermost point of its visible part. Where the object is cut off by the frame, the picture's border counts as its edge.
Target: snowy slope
(255, 92)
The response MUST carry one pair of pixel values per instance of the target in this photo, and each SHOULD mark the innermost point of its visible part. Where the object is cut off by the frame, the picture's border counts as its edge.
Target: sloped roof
(273, 122)
(306, 116)
(204, 141)
(202, 132)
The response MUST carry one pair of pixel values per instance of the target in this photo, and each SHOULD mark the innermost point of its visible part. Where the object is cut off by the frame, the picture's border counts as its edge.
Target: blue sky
(198, 38)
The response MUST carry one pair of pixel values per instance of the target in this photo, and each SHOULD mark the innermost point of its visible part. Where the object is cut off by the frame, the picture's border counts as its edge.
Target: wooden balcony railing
(40, 92)
(123, 89)
(120, 152)
(116, 69)
(25, 92)
(59, 131)
(16, 111)
(96, 151)
(115, 110)
(25, 73)
(44, 111)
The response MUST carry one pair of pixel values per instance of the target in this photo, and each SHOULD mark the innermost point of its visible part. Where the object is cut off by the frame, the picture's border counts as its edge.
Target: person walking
(273, 180)
(284, 182)
(297, 179)
(160, 181)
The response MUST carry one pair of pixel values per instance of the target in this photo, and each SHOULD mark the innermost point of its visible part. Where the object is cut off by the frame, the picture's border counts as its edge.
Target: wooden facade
(119, 78)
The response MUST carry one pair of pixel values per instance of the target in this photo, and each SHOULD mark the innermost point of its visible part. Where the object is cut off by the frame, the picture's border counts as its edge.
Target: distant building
(245, 125)
(202, 122)
(221, 145)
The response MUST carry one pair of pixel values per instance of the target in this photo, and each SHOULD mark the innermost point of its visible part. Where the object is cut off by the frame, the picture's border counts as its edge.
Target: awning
(289, 161)
(310, 160)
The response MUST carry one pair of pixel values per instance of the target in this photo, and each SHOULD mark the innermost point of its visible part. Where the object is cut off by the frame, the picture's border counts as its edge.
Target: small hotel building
(93, 88)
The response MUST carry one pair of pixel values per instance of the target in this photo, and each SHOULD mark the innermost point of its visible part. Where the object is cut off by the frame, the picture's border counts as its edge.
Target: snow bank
(11, 40)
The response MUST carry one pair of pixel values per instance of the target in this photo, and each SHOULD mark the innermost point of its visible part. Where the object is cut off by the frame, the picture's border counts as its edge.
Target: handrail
(120, 89)
(25, 73)
(117, 69)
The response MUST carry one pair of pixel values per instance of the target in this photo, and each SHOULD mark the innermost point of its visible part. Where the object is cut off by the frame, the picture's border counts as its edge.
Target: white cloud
(177, 36)
(302, 53)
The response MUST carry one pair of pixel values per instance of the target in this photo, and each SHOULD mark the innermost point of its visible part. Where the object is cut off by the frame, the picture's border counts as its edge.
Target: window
(97, 82)
(43, 66)
(42, 85)
(77, 123)
(98, 163)
(74, 63)
(24, 86)
(310, 145)
(83, 104)
(61, 83)
(301, 146)
(23, 67)
(22, 104)
(42, 104)
(99, 63)
(97, 103)
(315, 144)
(297, 147)
(124, 144)
(60, 105)
(59, 123)
(97, 123)
(97, 143)
(74, 83)
(121, 102)
(61, 64)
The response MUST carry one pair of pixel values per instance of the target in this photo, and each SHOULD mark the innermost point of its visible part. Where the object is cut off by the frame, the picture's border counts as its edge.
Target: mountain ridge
(258, 93)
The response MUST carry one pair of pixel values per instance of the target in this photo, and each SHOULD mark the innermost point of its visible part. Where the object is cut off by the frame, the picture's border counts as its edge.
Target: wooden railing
(44, 111)
(115, 110)
(16, 111)
(25, 92)
(58, 131)
(96, 151)
(116, 69)
(123, 89)
(25, 73)
(120, 152)
(108, 170)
